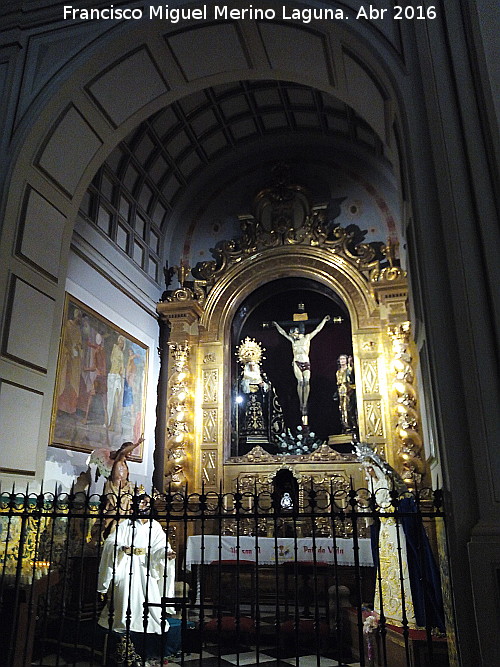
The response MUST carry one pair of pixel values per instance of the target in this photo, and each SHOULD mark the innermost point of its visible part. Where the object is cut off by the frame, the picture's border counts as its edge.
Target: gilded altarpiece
(200, 313)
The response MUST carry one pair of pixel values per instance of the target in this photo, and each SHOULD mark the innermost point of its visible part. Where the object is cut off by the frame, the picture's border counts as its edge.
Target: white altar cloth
(268, 550)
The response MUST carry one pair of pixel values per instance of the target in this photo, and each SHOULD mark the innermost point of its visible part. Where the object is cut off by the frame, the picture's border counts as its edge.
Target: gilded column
(409, 448)
(180, 355)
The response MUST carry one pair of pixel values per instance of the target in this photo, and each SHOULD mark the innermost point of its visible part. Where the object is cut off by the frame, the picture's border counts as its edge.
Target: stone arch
(88, 113)
(93, 112)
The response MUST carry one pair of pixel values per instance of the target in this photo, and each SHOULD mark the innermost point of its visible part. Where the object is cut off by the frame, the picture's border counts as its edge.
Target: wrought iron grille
(258, 577)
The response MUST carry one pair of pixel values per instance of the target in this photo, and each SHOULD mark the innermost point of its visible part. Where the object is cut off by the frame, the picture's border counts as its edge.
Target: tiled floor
(247, 659)
(252, 659)
(213, 655)
(270, 652)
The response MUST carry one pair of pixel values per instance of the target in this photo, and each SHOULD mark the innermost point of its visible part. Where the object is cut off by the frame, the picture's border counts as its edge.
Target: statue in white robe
(137, 567)
(392, 555)
(410, 589)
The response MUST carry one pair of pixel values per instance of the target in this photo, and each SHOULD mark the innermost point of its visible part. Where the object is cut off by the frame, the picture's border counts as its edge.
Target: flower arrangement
(302, 442)
(370, 624)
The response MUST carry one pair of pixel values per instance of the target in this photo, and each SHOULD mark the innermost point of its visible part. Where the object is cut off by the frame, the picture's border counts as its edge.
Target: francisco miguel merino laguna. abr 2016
(202, 13)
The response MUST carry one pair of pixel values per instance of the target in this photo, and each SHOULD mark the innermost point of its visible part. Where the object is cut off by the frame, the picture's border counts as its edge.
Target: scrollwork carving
(391, 273)
(284, 216)
(323, 454)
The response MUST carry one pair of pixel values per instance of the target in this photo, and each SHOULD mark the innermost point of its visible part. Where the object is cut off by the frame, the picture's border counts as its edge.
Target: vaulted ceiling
(146, 178)
(158, 159)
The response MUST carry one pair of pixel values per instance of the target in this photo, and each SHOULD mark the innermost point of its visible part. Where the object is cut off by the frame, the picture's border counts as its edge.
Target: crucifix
(301, 343)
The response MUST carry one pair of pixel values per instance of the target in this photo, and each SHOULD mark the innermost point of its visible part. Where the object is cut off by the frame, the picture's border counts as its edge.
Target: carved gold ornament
(407, 427)
(179, 427)
(250, 350)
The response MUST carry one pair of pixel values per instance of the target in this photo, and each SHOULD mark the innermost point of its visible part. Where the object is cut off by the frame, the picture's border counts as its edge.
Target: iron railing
(258, 576)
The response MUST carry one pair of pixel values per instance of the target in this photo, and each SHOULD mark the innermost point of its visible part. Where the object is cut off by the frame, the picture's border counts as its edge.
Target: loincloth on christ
(303, 366)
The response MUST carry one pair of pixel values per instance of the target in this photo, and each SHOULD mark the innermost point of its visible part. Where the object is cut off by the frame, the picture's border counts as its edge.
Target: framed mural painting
(100, 393)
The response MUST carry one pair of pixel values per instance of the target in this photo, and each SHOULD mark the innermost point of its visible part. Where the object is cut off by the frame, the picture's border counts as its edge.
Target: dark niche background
(279, 300)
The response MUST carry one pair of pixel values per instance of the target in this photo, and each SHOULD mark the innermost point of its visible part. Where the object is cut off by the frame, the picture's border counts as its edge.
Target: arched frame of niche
(328, 268)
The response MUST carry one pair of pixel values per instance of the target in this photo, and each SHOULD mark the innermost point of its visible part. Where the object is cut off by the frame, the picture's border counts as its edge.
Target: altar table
(228, 563)
(270, 550)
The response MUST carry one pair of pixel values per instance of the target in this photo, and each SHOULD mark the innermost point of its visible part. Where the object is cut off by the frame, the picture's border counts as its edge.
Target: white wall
(87, 285)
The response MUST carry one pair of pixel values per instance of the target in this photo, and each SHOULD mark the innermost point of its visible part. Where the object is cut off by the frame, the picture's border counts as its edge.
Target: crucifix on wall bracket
(301, 342)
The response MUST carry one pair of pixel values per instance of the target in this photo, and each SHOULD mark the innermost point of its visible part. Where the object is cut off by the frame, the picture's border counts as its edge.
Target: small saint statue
(118, 489)
(254, 388)
(346, 394)
(286, 501)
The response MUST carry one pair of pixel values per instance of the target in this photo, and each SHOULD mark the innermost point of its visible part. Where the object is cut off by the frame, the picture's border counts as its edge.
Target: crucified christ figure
(301, 343)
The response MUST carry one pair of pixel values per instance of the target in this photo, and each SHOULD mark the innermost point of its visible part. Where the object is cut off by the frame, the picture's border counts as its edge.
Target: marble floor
(211, 658)
(263, 648)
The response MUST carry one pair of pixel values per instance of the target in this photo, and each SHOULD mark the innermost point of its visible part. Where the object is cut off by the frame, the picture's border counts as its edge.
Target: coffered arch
(90, 113)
